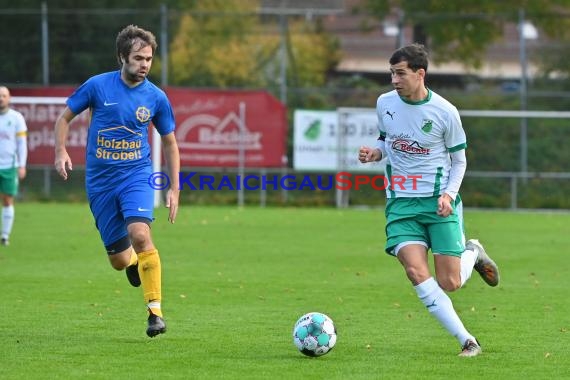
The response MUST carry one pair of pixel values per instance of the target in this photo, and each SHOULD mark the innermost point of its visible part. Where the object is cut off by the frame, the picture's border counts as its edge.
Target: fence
(46, 45)
(522, 160)
(493, 157)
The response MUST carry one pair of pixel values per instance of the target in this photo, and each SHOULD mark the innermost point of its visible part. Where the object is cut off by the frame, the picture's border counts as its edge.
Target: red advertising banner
(41, 107)
(213, 128)
(211, 124)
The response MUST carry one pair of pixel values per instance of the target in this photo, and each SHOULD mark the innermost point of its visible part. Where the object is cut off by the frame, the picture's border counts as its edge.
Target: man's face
(138, 64)
(4, 98)
(405, 80)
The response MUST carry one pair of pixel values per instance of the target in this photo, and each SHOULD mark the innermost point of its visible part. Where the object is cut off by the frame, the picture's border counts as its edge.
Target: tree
(213, 45)
(226, 43)
(462, 30)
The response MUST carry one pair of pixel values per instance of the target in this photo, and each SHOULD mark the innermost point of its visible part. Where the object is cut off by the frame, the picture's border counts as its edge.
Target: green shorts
(416, 219)
(9, 181)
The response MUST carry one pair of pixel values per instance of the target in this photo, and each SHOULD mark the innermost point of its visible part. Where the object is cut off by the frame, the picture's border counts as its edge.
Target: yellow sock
(150, 274)
(134, 258)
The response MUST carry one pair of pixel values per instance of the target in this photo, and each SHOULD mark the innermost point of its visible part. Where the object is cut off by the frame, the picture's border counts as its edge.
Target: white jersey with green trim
(12, 127)
(418, 139)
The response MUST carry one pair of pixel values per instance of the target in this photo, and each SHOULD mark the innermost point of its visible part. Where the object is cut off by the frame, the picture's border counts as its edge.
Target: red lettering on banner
(210, 125)
(40, 120)
(213, 127)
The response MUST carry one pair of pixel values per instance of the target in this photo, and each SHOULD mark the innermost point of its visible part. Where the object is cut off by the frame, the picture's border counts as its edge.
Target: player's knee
(416, 275)
(118, 262)
(118, 266)
(140, 239)
(449, 284)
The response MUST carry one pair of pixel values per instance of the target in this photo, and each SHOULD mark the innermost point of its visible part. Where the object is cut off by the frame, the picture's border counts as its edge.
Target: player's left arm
(456, 174)
(455, 140)
(22, 148)
(172, 156)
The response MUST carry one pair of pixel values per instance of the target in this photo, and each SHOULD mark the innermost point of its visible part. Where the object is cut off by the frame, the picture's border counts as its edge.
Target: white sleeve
(456, 173)
(454, 135)
(22, 151)
(21, 141)
(381, 144)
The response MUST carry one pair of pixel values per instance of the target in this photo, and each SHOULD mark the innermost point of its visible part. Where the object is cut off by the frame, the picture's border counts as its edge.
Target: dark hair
(416, 55)
(131, 35)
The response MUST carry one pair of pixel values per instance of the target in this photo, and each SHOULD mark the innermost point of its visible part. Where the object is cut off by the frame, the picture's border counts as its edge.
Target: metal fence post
(514, 189)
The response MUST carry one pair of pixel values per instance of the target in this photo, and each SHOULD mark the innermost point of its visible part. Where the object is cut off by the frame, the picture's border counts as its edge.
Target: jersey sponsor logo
(427, 125)
(109, 104)
(119, 149)
(391, 114)
(143, 209)
(143, 114)
(410, 147)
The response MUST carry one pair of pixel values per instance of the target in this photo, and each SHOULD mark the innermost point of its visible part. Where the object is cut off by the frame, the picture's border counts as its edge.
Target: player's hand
(63, 163)
(21, 173)
(172, 203)
(366, 154)
(444, 205)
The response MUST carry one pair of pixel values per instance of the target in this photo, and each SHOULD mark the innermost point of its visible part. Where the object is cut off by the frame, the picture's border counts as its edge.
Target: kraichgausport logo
(340, 181)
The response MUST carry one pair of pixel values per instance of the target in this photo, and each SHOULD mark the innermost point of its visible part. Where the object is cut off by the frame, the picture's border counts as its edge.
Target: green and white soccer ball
(314, 334)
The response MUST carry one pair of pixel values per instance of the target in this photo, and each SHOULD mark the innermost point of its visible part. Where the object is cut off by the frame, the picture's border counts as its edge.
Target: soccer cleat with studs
(470, 349)
(132, 272)
(486, 267)
(5, 242)
(156, 325)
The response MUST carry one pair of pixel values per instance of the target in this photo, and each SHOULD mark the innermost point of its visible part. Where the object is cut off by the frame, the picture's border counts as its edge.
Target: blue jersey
(117, 140)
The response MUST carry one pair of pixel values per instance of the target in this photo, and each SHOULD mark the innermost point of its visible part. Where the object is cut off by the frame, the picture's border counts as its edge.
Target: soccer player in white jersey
(13, 155)
(424, 143)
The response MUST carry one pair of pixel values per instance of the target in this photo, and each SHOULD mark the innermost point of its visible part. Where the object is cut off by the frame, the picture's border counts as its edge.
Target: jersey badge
(427, 126)
(143, 114)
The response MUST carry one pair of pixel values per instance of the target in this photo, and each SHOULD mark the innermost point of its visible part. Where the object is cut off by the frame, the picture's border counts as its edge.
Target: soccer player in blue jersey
(122, 105)
(421, 135)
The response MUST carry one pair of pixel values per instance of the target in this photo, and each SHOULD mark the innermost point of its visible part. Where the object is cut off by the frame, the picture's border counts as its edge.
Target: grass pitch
(235, 281)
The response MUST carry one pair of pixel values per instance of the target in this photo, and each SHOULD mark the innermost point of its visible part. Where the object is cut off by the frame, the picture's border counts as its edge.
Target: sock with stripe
(150, 274)
(439, 305)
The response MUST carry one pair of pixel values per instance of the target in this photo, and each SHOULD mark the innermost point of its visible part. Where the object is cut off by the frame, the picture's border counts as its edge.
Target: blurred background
(251, 66)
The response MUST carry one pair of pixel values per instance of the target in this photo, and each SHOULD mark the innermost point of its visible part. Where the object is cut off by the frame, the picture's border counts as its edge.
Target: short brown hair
(130, 35)
(415, 54)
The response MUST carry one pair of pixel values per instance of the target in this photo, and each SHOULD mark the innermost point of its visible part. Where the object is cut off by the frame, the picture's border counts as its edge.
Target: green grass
(235, 281)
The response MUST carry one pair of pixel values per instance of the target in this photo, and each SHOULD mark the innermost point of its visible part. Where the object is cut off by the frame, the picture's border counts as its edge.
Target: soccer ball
(314, 334)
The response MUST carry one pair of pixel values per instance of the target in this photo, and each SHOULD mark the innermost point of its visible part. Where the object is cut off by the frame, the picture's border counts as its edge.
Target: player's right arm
(62, 159)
